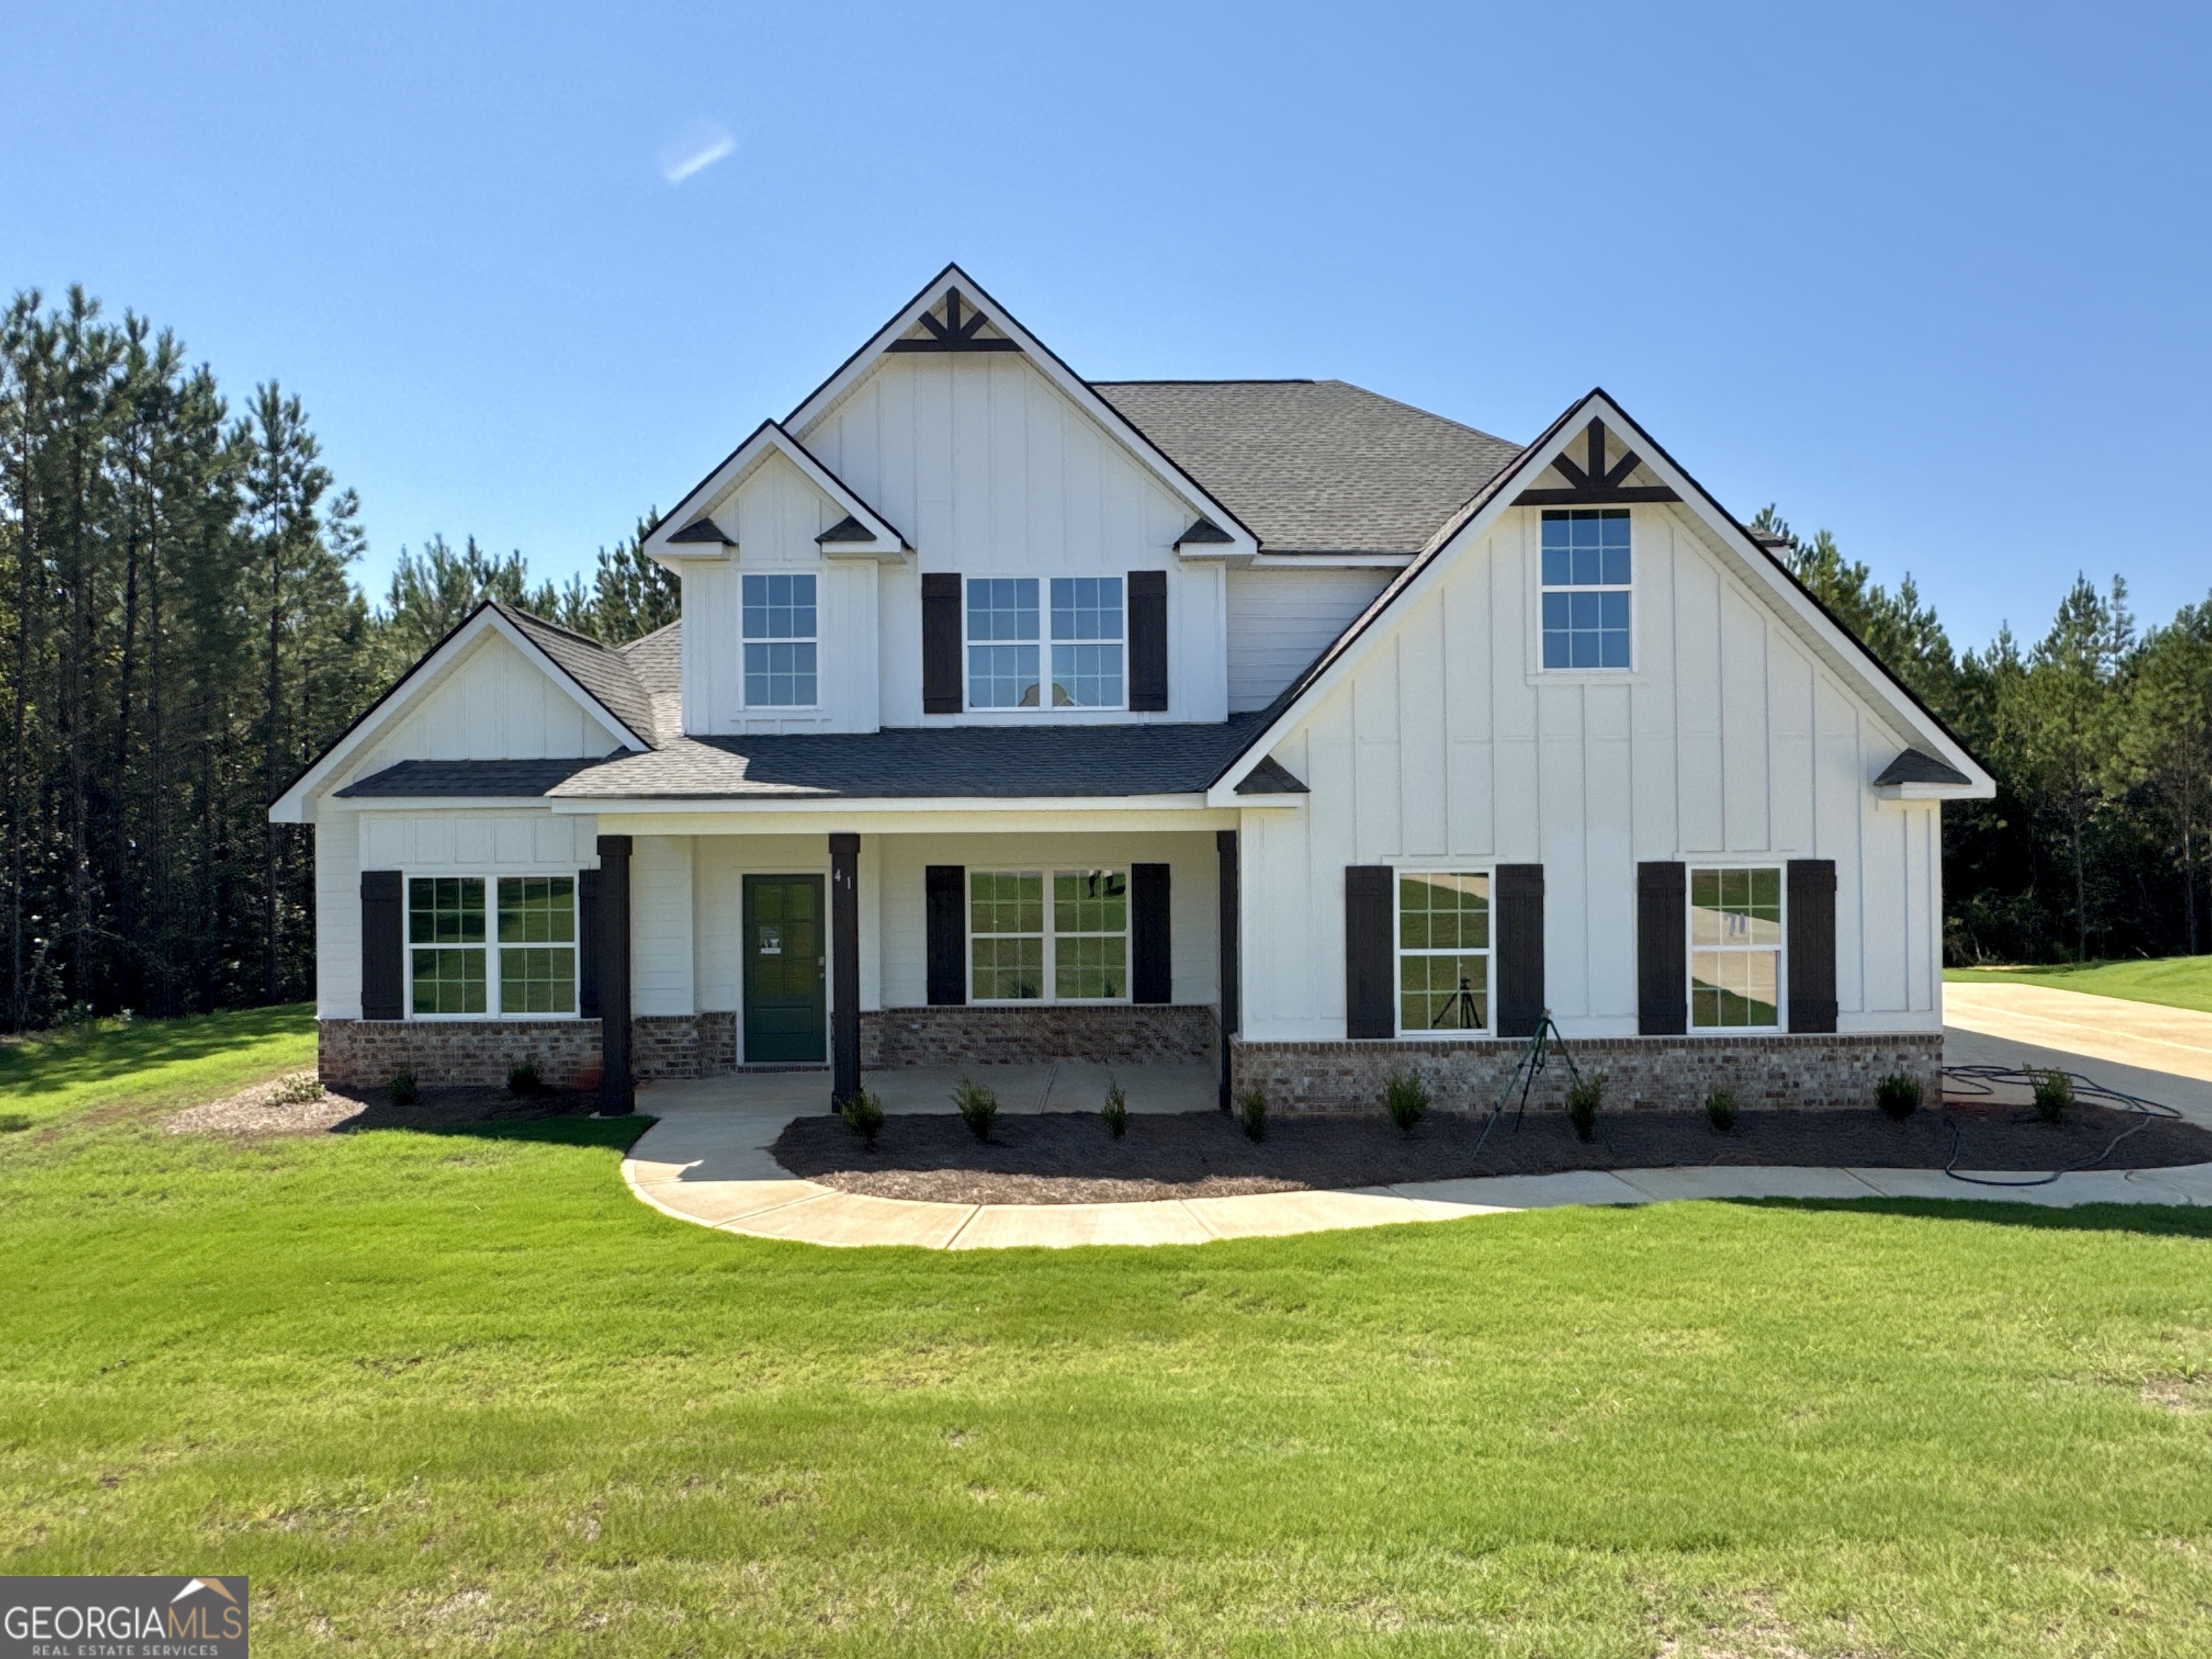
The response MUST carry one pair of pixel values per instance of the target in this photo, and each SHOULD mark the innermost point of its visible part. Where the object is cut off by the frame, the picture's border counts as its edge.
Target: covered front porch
(774, 960)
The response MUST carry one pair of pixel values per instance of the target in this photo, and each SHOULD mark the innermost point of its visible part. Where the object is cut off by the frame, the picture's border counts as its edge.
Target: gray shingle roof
(1315, 466)
(658, 660)
(1913, 767)
(519, 778)
(607, 675)
(973, 761)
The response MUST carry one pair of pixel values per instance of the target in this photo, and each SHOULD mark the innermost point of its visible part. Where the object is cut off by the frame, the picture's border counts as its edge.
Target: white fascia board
(1332, 561)
(1843, 653)
(618, 805)
(295, 804)
(768, 438)
(1929, 792)
(674, 818)
(444, 803)
(1241, 543)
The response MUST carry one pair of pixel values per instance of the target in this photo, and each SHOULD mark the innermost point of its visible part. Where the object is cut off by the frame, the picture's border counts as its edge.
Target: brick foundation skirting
(364, 1053)
(1131, 1033)
(1776, 1070)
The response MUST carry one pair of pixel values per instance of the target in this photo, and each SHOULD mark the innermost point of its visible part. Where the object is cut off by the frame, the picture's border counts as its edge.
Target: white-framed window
(780, 641)
(1011, 620)
(1587, 586)
(1050, 936)
(1443, 951)
(514, 958)
(1736, 949)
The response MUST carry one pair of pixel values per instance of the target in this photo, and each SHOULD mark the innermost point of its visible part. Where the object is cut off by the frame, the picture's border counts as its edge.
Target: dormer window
(1587, 587)
(1004, 621)
(780, 641)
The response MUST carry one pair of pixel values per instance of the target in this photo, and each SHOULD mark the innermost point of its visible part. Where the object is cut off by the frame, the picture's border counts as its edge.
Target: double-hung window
(1443, 951)
(453, 936)
(1736, 949)
(1587, 588)
(1076, 948)
(1008, 618)
(780, 641)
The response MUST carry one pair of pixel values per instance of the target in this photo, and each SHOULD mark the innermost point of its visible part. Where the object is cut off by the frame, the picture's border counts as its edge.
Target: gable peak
(954, 323)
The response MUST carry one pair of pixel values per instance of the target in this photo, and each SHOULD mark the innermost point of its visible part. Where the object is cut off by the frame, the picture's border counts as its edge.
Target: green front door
(784, 956)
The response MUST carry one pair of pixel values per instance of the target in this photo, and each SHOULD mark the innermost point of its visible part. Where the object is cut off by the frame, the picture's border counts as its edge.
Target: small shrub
(404, 1091)
(864, 1116)
(299, 1090)
(1899, 1095)
(1252, 1110)
(1720, 1107)
(1116, 1113)
(1406, 1097)
(1584, 1095)
(76, 1014)
(523, 1080)
(2054, 1095)
(979, 1108)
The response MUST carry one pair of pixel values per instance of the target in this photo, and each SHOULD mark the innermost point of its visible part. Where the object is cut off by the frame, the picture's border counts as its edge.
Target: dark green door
(785, 945)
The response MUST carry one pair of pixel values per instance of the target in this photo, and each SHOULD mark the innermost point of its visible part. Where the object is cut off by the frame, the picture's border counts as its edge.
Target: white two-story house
(1017, 717)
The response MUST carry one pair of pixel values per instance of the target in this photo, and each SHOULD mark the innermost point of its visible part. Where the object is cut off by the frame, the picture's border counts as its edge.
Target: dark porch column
(1225, 846)
(845, 968)
(617, 1091)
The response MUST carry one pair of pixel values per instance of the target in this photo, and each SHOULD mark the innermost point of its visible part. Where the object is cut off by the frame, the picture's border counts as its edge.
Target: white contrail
(695, 148)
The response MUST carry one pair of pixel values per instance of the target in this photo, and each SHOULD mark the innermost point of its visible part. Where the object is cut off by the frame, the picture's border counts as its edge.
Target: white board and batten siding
(1726, 743)
(493, 704)
(1280, 619)
(776, 513)
(988, 468)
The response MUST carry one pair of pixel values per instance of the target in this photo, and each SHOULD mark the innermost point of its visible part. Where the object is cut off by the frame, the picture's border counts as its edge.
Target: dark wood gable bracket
(1593, 483)
(953, 334)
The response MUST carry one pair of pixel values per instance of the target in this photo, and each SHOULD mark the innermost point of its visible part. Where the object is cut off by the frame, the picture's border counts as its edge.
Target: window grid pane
(1736, 949)
(446, 910)
(778, 607)
(1586, 569)
(537, 909)
(1086, 607)
(449, 981)
(536, 979)
(1090, 934)
(1002, 607)
(1444, 944)
(780, 676)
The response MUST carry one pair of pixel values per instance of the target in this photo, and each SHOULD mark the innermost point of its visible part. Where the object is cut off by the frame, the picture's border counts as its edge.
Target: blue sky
(1932, 276)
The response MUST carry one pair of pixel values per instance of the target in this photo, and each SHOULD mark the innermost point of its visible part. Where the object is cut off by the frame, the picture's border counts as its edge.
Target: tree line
(180, 633)
(2100, 738)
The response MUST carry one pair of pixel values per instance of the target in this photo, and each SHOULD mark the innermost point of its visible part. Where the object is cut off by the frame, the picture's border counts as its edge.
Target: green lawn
(460, 1392)
(2176, 981)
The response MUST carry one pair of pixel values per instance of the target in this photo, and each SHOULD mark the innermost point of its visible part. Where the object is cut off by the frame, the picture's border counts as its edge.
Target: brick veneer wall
(1775, 1070)
(364, 1053)
(1127, 1034)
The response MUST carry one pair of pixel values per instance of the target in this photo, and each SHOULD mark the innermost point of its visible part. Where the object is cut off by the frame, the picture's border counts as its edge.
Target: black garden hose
(1983, 1081)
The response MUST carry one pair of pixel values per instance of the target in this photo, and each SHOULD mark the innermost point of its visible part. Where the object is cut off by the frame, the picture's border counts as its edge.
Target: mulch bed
(264, 1110)
(1067, 1158)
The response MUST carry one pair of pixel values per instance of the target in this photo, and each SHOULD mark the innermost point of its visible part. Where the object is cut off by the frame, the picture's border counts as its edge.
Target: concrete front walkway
(706, 1161)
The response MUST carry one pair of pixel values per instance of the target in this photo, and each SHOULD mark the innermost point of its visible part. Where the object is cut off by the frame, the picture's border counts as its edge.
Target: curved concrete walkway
(706, 1161)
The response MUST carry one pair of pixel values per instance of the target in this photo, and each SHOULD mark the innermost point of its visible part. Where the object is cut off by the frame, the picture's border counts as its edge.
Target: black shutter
(1369, 942)
(383, 970)
(1148, 641)
(587, 944)
(1151, 976)
(945, 889)
(1662, 943)
(941, 644)
(1812, 961)
(1519, 949)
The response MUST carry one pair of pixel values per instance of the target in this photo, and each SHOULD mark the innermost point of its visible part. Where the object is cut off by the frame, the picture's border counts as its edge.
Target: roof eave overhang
(1242, 543)
(1911, 721)
(1969, 791)
(296, 804)
(618, 805)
